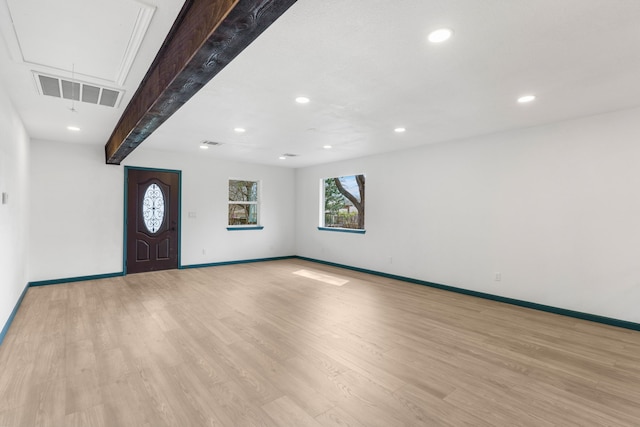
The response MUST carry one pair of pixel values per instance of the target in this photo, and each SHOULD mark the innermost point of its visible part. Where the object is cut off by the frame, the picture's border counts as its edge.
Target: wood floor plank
(255, 386)
(94, 417)
(257, 344)
(46, 404)
(336, 417)
(370, 404)
(82, 391)
(231, 404)
(298, 390)
(430, 410)
(126, 403)
(16, 381)
(284, 412)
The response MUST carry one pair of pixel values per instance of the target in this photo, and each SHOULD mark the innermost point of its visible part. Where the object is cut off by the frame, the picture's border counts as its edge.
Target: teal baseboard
(244, 261)
(75, 279)
(541, 307)
(549, 309)
(13, 314)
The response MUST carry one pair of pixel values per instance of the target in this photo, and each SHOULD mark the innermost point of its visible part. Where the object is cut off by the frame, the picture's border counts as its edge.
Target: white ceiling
(107, 43)
(365, 64)
(117, 18)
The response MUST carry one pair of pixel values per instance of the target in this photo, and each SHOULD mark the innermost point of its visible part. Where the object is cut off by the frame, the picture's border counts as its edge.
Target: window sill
(342, 230)
(250, 227)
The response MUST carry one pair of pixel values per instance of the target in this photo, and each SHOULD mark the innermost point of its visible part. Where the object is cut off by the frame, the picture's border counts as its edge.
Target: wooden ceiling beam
(205, 37)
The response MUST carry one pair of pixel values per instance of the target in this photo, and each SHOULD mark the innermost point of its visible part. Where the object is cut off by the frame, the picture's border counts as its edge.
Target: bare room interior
(319, 213)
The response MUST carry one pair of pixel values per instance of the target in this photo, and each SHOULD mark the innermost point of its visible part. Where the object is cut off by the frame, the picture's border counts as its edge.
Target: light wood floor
(255, 344)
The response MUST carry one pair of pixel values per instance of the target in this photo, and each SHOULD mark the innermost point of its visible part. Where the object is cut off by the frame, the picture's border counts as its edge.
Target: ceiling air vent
(289, 155)
(78, 91)
(211, 143)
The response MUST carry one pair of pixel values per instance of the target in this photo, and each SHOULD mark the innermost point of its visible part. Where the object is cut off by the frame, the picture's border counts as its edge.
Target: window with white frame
(244, 203)
(343, 199)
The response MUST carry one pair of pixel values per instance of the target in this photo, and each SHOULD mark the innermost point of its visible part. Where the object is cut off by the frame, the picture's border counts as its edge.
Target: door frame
(126, 203)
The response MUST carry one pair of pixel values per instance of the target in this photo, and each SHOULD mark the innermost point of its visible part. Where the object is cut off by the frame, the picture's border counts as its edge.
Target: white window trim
(258, 223)
(321, 217)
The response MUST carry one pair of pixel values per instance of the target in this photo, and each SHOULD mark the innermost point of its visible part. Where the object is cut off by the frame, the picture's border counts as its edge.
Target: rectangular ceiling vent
(289, 155)
(78, 91)
(212, 143)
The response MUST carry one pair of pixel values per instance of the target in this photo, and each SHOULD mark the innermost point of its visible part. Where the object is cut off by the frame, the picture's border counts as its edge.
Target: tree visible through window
(344, 202)
(243, 202)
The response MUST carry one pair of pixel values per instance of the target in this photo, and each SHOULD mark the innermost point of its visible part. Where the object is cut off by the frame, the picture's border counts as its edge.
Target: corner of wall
(14, 212)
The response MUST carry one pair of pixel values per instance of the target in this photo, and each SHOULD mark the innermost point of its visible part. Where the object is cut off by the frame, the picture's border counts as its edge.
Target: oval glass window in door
(153, 208)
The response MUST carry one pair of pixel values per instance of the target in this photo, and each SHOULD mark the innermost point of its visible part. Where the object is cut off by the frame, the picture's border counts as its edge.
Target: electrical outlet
(498, 277)
(204, 251)
(5, 198)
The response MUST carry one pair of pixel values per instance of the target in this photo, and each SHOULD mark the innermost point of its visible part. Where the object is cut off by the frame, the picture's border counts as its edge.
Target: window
(153, 208)
(243, 203)
(343, 205)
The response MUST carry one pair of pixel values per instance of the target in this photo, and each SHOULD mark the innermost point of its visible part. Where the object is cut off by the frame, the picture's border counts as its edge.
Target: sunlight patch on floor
(325, 278)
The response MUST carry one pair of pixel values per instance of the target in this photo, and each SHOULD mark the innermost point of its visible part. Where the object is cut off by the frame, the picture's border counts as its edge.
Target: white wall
(14, 164)
(555, 209)
(205, 191)
(77, 210)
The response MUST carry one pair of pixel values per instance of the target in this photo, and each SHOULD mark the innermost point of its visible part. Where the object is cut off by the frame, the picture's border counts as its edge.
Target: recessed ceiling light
(73, 128)
(327, 147)
(282, 158)
(240, 130)
(204, 147)
(399, 130)
(440, 35)
(302, 100)
(526, 98)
